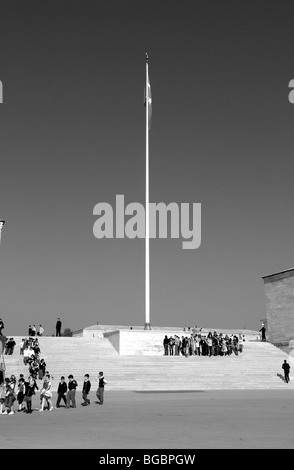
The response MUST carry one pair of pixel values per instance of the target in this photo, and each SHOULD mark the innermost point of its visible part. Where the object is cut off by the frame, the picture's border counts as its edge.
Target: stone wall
(279, 293)
(146, 342)
(113, 337)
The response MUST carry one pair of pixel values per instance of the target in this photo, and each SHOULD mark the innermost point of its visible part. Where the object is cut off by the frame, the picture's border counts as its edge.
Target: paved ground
(159, 420)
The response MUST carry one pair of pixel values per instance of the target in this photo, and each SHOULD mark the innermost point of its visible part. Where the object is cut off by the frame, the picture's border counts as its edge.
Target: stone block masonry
(279, 293)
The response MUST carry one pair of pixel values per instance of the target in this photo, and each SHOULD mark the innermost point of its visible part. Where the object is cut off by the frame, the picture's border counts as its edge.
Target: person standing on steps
(21, 394)
(30, 387)
(9, 397)
(58, 327)
(165, 345)
(2, 396)
(262, 331)
(42, 369)
(41, 331)
(286, 368)
(46, 394)
(1, 326)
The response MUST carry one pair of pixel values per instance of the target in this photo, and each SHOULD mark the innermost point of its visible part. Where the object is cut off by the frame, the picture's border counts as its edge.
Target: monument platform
(134, 340)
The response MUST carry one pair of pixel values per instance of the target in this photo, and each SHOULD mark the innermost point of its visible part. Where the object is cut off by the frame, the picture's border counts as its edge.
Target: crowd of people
(22, 390)
(29, 348)
(198, 344)
(32, 330)
(9, 346)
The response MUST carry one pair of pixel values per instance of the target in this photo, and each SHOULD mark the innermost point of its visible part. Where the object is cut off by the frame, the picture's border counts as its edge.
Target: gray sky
(72, 130)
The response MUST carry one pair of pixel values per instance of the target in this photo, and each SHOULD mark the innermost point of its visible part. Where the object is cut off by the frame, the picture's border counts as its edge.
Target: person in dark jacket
(286, 368)
(262, 331)
(30, 387)
(1, 326)
(21, 394)
(171, 345)
(10, 346)
(86, 390)
(58, 327)
(165, 345)
(71, 392)
(42, 369)
(9, 397)
(61, 391)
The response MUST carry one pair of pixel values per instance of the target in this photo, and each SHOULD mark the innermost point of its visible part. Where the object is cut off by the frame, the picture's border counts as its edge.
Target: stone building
(279, 293)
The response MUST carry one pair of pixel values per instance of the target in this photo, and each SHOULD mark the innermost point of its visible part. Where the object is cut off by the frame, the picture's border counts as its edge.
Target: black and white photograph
(146, 227)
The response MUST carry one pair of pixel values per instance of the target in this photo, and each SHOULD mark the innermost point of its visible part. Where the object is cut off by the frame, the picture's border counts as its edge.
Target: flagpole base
(147, 326)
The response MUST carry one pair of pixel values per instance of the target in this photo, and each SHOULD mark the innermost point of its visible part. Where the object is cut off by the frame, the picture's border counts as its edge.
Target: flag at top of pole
(147, 96)
(2, 222)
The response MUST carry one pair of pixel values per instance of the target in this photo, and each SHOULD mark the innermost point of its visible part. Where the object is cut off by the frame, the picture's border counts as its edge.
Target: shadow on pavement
(169, 391)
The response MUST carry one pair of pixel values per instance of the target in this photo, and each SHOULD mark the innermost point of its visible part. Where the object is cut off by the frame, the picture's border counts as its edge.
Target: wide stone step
(257, 367)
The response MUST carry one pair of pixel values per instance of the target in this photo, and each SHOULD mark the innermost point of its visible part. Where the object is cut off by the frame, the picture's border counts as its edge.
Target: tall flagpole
(147, 254)
(2, 342)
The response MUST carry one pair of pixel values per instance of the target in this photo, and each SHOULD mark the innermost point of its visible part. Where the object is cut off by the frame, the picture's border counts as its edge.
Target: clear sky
(72, 130)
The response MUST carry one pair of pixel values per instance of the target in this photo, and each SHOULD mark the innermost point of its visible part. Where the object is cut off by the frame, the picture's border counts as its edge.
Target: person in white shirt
(26, 355)
(41, 330)
(31, 352)
(100, 390)
(2, 397)
(21, 347)
(197, 345)
(209, 343)
(46, 394)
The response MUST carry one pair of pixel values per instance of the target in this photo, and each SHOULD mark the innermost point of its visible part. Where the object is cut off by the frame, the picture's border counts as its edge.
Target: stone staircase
(257, 367)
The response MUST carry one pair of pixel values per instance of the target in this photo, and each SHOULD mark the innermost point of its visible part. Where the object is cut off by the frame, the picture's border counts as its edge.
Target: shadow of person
(281, 377)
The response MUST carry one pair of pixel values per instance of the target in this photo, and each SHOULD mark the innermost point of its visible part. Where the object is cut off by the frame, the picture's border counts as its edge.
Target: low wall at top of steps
(100, 330)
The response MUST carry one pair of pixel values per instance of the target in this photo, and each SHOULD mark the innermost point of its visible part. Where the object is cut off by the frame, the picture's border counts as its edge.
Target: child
(2, 397)
(30, 387)
(21, 346)
(61, 391)
(34, 368)
(71, 392)
(46, 394)
(13, 382)
(43, 388)
(86, 390)
(9, 397)
(100, 390)
(42, 369)
(21, 394)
